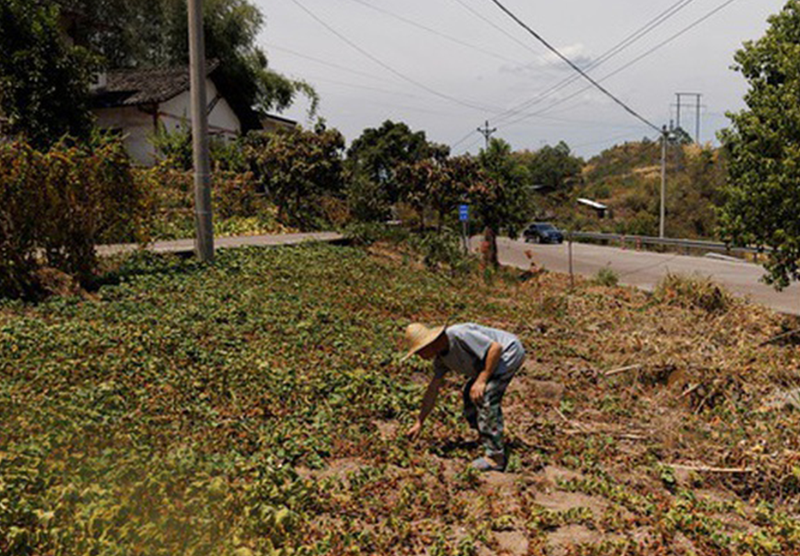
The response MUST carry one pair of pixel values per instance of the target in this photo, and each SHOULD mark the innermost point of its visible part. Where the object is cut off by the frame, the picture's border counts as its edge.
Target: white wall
(139, 127)
(221, 121)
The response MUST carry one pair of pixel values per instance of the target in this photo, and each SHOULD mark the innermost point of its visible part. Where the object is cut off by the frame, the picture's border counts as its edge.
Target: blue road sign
(463, 213)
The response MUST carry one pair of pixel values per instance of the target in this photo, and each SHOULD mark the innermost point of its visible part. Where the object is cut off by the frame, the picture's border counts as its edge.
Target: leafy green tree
(149, 33)
(377, 154)
(43, 80)
(295, 167)
(498, 195)
(763, 144)
(550, 166)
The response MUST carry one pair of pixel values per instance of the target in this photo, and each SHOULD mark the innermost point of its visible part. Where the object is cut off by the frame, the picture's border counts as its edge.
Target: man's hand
(414, 432)
(477, 391)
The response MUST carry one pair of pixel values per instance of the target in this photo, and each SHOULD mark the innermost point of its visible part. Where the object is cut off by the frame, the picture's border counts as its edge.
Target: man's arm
(428, 403)
(492, 360)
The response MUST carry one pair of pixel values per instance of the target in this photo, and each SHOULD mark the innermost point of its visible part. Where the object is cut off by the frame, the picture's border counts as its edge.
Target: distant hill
(627, 178)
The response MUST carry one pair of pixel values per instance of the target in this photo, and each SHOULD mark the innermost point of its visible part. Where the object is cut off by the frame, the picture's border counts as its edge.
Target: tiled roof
(145, 86)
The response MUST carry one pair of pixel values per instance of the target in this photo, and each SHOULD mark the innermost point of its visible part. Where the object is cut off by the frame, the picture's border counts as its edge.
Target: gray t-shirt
(469, 344)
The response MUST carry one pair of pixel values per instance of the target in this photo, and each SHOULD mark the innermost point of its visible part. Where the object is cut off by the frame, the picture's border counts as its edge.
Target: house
(600, 209)
(271, 122)
(138, 103)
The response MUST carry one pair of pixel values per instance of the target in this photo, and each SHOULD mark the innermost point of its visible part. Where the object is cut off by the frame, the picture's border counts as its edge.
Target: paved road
(187, 245)
(644, 270)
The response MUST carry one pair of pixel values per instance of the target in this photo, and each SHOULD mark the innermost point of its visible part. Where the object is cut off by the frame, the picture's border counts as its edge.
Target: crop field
(257, 407)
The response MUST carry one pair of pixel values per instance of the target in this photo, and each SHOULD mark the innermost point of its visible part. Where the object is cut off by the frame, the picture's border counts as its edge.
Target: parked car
(542, 232)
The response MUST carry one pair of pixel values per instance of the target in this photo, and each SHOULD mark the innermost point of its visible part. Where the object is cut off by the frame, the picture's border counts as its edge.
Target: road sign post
(463, 216)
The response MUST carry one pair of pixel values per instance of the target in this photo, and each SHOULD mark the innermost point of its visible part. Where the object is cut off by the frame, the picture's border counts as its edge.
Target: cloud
(549, 62)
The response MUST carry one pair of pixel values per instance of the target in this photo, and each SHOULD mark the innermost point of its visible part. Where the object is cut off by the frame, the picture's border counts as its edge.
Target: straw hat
(418, 336)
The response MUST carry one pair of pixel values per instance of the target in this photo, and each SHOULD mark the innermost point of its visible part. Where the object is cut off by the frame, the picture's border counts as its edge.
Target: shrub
(696, 292)
(443, 250)
(606, 277)
(295, 168)
(367, 200)
(239, 209)
(55, 206)
(174, 150)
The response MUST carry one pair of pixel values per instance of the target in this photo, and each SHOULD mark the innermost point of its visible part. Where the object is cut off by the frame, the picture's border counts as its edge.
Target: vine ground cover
(257, 407)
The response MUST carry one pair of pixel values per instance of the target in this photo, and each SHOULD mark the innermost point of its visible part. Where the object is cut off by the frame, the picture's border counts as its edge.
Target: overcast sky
(472, 64)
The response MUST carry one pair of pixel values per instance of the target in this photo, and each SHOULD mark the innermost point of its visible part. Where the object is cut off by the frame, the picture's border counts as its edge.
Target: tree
(763, 145)
(154, 33)
(295, 167)
(43, 80)
(377, 154)
(440, 184)
(498, 196)
(551, 166)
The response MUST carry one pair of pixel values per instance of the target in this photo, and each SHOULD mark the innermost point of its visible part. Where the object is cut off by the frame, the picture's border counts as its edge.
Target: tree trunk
(490, 248)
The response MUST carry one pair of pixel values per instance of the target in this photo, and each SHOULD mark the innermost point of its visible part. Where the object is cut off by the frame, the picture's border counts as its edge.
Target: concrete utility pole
(204, 241)
(663, 212)
(487, 132)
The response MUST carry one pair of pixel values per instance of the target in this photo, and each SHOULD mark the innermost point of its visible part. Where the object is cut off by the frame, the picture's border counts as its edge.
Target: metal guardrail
(646, 240)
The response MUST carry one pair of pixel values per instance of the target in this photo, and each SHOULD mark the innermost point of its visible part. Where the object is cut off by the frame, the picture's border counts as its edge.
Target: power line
(384, 65)
(480, 16)
(607, 55)
(644, 55)
(327, 63)
(573, 66)
(434, 31)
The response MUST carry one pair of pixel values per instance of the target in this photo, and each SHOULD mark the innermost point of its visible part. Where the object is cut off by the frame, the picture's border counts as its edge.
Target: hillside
(257, 407)
(627, 178)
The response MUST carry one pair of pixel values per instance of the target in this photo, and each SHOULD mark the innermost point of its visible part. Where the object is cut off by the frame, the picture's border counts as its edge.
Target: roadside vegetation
(258, 406)
(627, 179)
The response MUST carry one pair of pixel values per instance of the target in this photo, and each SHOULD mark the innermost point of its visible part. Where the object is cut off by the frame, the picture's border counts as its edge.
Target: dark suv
(541, 232)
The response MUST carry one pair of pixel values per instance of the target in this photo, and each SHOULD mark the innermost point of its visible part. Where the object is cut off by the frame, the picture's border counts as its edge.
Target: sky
(448, 66)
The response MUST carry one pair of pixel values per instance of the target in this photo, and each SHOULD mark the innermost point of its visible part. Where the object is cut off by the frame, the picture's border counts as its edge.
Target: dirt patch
(337, 469)
(547, 391)
(560, 540)
(560, 501)
(511, 542)
(388, 430)
(553, 474)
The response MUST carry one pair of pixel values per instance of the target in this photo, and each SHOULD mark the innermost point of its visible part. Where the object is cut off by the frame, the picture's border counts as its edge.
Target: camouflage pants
(487, 416)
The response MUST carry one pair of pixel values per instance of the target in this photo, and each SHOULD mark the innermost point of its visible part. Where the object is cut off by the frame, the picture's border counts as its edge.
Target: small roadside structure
(271, 122)
(138, 103)
(600, 209)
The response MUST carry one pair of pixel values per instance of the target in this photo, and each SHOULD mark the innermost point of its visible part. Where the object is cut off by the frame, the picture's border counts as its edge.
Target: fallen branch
(707, 469)
(779, 337)
(690, 390)
(622, 370)
(615, 434)
(572, 423)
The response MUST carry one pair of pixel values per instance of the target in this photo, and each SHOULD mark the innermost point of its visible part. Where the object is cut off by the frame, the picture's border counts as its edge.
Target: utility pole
(487, 132)
(697, 97)
(204, 241)
(662, 216)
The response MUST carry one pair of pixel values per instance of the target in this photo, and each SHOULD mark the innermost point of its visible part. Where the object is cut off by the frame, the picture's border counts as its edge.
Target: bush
(443, 250)
(295, 168)
(367, 200)
(606, 277)
(239, 209)
(697, 292)
(55, 206)
(174, 150)
(367, 233)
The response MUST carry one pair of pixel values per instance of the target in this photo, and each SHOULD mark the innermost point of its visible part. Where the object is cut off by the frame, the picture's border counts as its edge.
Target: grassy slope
(259, 405)
(627, 178)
